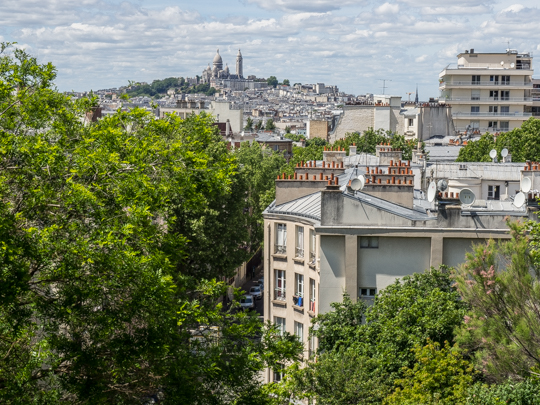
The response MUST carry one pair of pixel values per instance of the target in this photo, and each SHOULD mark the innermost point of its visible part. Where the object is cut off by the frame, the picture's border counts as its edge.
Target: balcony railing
(279, 294)
(489, 99)
(484, 83)
(491, 114)
(281, 249)
(482, 130)
(300, 252)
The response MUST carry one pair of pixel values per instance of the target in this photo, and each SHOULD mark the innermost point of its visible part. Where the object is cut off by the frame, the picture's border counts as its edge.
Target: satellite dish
(493, 153)
(519, 199)
(526, 184)
(504, 152)
(512, 65)
(431, 191)
(442, 185)
(502, 62)
(358, 183)
(467, 197)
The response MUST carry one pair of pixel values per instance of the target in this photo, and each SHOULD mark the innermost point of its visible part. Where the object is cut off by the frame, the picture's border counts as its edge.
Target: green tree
(258, 125)
(106, 291)
(509, 392)
(404, 315)
(521, 142)
(249, 124)
(286, 82)
(270, 126)
(287, 129)
(272, 81)
(500, 282)
(441, 375)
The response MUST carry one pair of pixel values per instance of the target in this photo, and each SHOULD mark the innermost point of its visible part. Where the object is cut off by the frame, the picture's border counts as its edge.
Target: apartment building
(489, 92)
(323, 239)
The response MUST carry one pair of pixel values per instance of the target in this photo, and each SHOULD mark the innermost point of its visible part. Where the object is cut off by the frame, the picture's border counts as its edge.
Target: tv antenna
(384, 86)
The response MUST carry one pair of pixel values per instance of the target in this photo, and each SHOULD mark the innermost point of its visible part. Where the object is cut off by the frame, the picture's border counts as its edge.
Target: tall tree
(270, 126)
(272, 81)
(249, 124)
(108, 232)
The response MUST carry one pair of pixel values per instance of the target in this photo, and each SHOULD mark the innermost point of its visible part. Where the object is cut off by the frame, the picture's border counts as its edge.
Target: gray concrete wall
(455, 250)
(395, 258)
(332, 285)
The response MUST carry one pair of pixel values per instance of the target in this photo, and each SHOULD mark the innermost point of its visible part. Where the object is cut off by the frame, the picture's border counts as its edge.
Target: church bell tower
(239, 68)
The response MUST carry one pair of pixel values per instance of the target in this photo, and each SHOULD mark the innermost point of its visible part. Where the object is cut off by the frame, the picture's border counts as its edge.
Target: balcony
(279, 294)
(498, 84)
(472, 100)
(482, 130)
(505, 115)
(280, 250)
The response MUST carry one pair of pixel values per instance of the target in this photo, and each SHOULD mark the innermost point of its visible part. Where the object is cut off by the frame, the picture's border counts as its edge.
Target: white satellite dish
(442, 185)
(519, 199)
(502, 62)
(504, 152)
(493, 153)
(467, 197)
(512, 65)
(358, 183)
(526, 184)
(431, 191)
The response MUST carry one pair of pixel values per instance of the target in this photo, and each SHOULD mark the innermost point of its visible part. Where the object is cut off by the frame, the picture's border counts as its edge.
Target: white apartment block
(489, 92)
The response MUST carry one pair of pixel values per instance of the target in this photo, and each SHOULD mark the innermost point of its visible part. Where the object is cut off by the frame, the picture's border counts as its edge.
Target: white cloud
(305, 5)
(387, 8)
(420, 59)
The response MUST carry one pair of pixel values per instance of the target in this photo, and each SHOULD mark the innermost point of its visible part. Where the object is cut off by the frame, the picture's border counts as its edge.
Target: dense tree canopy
(113, 234)
(522, 143)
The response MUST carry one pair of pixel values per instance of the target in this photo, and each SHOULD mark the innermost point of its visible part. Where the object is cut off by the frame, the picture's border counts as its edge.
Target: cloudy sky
(351, 43)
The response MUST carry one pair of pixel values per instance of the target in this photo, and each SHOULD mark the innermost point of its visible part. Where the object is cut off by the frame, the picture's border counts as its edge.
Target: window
(367, 292)
(475, 125)
(505, 109)
(494, 94)
(475, 109)
(494, 192)
(476, 79)
(312, 295)
(299, 285)
(475, 94)
(278, 372)
(505, 95)
(494, 79)
(504, 126)
(494, 109)
(505, 80)
(280, 285)
(492, 125)
(411, 122)
(280, 323)
(299, 331)
(300, 241)
(369, 242)
(311, 246)
(281, 239)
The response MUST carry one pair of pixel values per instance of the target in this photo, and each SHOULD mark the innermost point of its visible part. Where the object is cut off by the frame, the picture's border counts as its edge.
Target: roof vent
(472, 50)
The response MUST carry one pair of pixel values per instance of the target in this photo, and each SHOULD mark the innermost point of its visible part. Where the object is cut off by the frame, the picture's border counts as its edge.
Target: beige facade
(317, 129)
(489, 92)
(323, 240)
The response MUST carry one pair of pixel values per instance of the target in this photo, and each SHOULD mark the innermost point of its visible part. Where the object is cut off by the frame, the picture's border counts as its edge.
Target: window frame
(300, 241)
(371, 292)
(281, 236)
(369, 242)
(280, 288)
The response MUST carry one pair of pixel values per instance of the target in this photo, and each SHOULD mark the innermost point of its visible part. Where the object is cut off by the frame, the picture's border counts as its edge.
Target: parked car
(256, 292)
(248, 302)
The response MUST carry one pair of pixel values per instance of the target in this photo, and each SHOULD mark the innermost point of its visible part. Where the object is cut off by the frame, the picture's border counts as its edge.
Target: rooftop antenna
(384, 84)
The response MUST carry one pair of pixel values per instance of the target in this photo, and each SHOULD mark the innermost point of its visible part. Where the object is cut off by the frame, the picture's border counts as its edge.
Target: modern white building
(489, 92)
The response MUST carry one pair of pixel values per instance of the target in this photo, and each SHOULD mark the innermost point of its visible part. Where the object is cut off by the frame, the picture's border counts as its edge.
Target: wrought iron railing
(279, 294)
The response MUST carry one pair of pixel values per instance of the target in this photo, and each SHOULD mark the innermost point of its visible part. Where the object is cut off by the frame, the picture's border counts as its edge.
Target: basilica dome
(217, 59)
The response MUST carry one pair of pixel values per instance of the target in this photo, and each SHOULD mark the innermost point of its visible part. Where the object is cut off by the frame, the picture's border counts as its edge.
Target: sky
(354, 44)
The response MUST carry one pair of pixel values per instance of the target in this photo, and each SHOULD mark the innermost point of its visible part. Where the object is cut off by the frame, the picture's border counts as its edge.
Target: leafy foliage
(160, 87)
(270, 126)
(521, 142)
(361, 361)
(272, 81)
(111, 234)
(501, 283)
(440, 376)
(509, 392)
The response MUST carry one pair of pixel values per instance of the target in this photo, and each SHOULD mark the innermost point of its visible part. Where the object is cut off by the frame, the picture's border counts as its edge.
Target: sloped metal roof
(308, 207)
